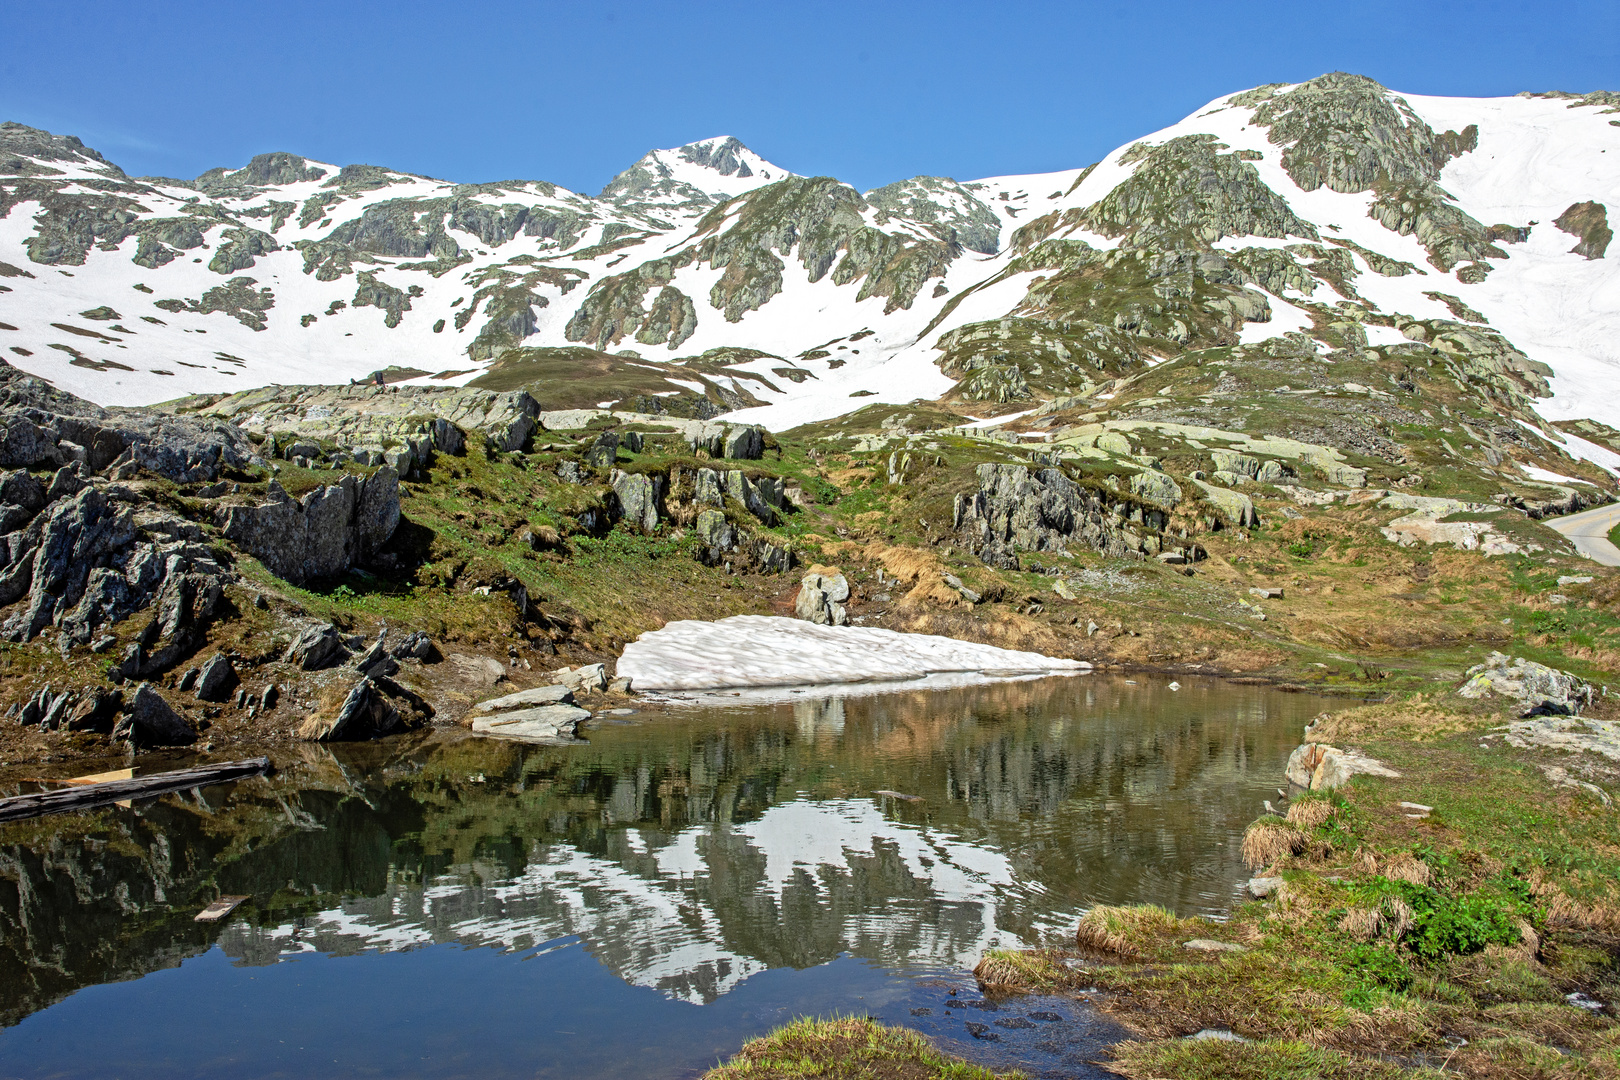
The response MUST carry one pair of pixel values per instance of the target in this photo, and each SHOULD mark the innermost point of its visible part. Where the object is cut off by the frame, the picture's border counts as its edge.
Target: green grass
(1274, 1059)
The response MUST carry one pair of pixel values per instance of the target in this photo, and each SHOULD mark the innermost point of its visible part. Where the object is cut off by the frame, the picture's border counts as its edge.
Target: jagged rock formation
(951, 211)
(1042, 510)
(322, 534)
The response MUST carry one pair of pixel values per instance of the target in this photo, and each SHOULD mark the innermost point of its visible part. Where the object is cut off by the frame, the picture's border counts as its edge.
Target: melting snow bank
(749, 652)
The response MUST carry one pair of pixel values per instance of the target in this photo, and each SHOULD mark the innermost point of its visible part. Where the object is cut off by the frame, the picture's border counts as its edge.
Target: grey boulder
(150, 721)
(319, 646)
(217, 679)
(1535, 689)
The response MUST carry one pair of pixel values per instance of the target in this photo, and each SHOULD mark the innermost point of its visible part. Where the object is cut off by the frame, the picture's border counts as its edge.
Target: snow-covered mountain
(1334, 210)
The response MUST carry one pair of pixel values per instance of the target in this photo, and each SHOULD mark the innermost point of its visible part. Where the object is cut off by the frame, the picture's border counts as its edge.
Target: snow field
(771, 651)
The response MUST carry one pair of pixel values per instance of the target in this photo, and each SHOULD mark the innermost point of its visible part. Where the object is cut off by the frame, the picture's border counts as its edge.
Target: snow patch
(771, 651)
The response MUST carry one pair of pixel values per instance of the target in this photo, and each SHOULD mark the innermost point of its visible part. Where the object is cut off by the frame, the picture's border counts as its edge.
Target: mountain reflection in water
(685, 849)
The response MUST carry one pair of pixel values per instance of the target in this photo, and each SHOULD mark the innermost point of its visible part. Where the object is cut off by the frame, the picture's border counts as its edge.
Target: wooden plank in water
(220, 908)
(89, 778)
(100, 793)
(899, 795)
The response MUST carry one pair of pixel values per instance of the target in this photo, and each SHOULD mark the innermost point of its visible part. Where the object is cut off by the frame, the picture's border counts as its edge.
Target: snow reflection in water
(696, 854)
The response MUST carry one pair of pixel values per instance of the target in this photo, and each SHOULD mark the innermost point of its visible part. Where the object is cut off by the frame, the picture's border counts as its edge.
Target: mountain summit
(698, 174)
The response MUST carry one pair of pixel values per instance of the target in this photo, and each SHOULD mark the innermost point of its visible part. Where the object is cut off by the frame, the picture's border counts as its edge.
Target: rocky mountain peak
(19, 142)
(692, 177)
(726, 155)
(263, 170)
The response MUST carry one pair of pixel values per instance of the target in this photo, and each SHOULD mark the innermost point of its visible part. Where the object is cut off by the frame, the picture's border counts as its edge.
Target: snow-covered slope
(1333, 199)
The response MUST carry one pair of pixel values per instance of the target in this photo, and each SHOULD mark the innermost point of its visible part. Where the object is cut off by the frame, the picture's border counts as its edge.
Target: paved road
(1589, 532)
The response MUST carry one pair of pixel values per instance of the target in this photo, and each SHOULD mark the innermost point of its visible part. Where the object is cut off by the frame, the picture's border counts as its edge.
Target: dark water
(638, 907)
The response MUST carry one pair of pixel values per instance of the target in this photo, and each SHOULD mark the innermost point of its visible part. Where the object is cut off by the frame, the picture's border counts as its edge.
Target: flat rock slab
(1567, 733)
(548, 725)
(478, 670)
(1211, 945)
(527, 699)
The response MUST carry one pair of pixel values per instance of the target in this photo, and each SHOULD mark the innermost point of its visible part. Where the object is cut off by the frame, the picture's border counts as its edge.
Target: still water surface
(638, 907)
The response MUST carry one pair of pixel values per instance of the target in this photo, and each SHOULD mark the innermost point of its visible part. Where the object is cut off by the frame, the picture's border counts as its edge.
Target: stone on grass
(1262, 887)
(1536, 689)
(1319, 767)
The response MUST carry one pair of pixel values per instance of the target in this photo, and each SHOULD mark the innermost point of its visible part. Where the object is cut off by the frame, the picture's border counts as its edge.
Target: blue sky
(869, 92)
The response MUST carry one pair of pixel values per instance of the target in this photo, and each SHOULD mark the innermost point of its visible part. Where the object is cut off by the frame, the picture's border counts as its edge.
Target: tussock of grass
(1128, 931)
(1269, 839)
(846, 1047)
(1309, 813)
(1404, 866)
(1010, 970)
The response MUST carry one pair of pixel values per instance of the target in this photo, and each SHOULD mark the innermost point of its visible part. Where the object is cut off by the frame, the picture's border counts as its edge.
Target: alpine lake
(640, 904)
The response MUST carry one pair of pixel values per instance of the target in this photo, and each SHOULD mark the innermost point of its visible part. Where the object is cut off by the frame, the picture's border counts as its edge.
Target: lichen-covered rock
(1156, 487)
(638, 495)
(422, 418)
(1535, 689)
(1590, 222)
(1234, 506)
(762, 498)
(951, 211)
(738, 442)
(714, 531)
(328, 531)
(1187, 190)
(1021, 509)
(1241, 464)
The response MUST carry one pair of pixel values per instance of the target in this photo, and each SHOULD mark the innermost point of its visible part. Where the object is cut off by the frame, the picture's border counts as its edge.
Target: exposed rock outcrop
(326, 532)
(1021, 509)
(374, 707)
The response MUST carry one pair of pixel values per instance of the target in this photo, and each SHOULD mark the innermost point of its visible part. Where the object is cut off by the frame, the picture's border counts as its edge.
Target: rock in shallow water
(549, 725)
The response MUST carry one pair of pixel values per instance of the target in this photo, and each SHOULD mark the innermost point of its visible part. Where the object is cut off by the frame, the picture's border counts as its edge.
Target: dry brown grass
(1309, 813)
(1419, 719)
(1270, 839)
(1363, 924)
(1404, 866)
